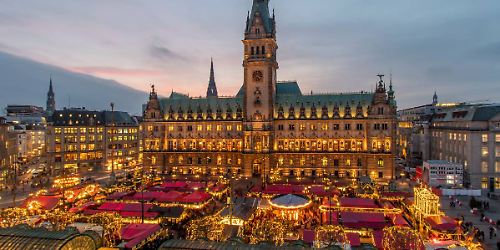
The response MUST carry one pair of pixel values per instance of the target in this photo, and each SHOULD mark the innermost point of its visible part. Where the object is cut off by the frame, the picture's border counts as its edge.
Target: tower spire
(51, 100)
(212, 88)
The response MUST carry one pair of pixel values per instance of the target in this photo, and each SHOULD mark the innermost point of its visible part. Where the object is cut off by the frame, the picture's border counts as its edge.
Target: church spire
(260, 10)
(212, 88)
(51, 101)
(435, 98)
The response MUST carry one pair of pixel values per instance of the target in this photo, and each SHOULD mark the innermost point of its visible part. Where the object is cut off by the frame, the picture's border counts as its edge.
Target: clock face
(257, 76)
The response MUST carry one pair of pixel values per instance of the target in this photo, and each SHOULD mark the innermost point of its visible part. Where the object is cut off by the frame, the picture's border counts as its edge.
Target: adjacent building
(443, 173)
(469, 134)
(80, 140)
(8, 151)
(271, 128)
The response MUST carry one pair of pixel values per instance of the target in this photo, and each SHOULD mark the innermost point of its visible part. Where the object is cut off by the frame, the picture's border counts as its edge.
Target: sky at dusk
(452, 46)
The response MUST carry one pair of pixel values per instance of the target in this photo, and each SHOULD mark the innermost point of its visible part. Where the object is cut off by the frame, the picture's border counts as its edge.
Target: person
(492, 231)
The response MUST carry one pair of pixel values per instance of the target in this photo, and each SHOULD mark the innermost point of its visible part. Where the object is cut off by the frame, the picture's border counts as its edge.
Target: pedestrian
(492, 231)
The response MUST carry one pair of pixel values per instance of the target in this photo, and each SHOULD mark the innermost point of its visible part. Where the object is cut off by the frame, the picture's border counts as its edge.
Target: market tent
(283, 189)
(442, 223)
(290, 201)
(195, 197)
(147, 196)
(357, 202)
(363, 220)
(398, 220)
(135, 234)
(112, 206)
(137, 214)
(171, 196)
(354, 239)
(174, 184)
(119, 195)
(45, 202)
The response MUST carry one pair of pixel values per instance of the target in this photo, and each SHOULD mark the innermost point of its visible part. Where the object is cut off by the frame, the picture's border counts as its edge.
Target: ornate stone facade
(271, 127)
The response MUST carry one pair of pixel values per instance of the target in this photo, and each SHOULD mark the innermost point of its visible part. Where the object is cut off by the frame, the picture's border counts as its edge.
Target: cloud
(116, 72)
(163, 53)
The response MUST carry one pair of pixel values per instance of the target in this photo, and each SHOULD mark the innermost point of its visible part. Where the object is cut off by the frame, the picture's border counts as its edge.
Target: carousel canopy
(290, 201)
(45, 202)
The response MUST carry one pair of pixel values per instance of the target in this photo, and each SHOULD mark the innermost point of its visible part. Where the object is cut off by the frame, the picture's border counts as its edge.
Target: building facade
(469, 135)
(8, 151)
(443, 173)
(80, 140)
(271, 128)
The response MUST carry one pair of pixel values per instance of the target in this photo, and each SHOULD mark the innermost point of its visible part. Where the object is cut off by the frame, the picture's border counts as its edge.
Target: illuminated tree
(112, 226)
(209, 227)
(60, 219)
(402, 238)
(329, 235)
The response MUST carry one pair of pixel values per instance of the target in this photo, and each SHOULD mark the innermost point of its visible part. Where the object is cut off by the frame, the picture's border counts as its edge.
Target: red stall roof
(136, 233)
(174, 184)
(284, 189)
(441, 223)
(46, 202)
(195, 197)
(122, 206)
(112, 206)
(171, 196)
(136, 214)
(119, 195)
(363, 220)
(353, 239)
(357, 202)
(148, 196)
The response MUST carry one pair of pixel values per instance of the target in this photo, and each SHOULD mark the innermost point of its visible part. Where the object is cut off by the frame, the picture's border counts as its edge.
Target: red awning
(195, 197)
(136, 233)
(283, 189)
(112, 206)
(119, 195)
(171, 196)
(357, 202)
(354, 239)
(196, 185)
(122, 206)
(46, 202)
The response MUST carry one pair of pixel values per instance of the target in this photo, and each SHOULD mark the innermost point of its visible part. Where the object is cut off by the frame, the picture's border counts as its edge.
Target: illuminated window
(238, 127)
(497, 167)
(199, 128)
(170, 128)
(325, 161)
(219, 160)
(209, 127)
(219, 127)
(229, 127)
(348, 162)
(280, 160)
(484, 182)
(484, 151)
(380, 162)
(302, 127)
(484, 167)
(497, 137)
(484, 137)
(324, 126)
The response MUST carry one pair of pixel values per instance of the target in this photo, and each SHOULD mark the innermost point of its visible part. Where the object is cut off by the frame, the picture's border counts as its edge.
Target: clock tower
(260, 65)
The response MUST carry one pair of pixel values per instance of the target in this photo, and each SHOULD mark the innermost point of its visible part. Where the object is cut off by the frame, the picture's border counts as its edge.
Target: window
(189, 128)
(302, 127)
(484, 182)
(380, 163)
(280, 127)
(238, 127)
(484, 167)
(380, 110)
(347, 126)
(380, 174)
(484, 138)
(497, 137)
(263, 50)
(376, 126)
(291, 127)
(219, 127)
(336, 126)
(384, 126)
(229, 127)
(497, 151)
(348, 162)
(199, 127)
(484, 151)
(359, 126)
(336, 162)
(252, 51)
(209, 127)
(497, 167)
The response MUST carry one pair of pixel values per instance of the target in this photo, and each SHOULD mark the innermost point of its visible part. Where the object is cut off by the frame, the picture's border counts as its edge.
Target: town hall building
(270, 128)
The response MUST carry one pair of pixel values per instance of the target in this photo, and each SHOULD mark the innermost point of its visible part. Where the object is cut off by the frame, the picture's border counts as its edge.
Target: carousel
(290, 206)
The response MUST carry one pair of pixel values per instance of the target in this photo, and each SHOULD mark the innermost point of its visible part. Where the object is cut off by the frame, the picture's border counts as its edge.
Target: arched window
(380, 162)
(258, 50)
(263, 50)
